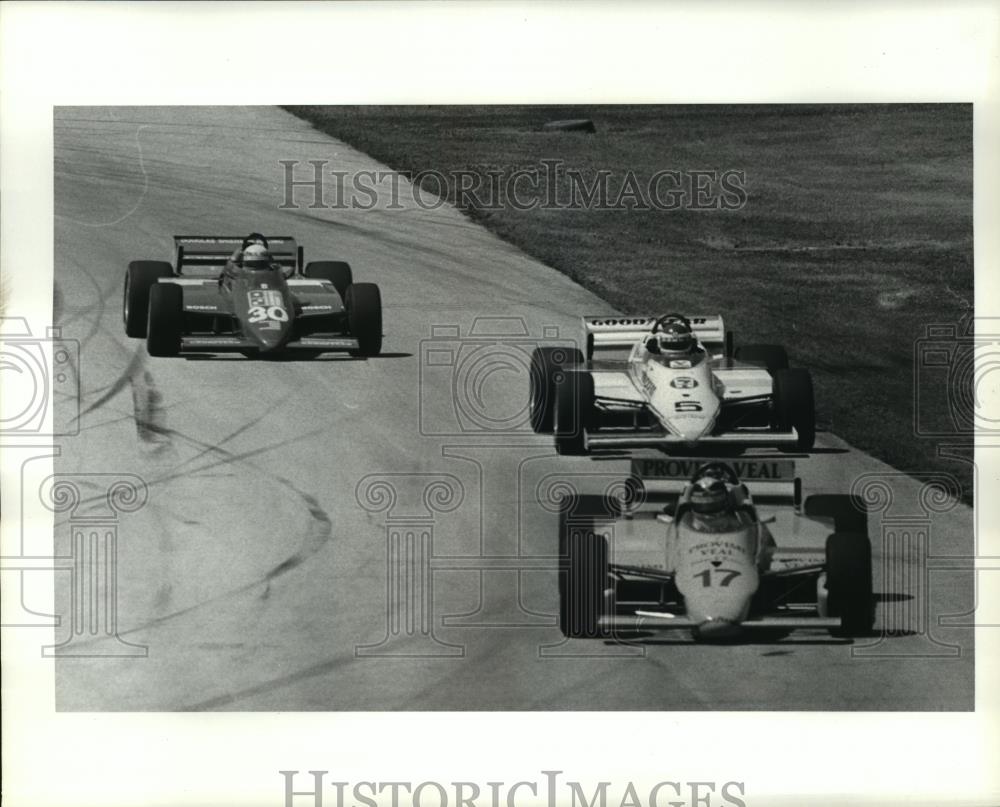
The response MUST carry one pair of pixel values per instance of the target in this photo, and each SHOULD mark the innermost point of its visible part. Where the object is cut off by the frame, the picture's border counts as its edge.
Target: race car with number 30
(194, 305)
(671, 383)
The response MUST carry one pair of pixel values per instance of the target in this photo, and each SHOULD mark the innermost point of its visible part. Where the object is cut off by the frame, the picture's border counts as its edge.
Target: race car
(714, 555)
(672, 383)
(193, 305)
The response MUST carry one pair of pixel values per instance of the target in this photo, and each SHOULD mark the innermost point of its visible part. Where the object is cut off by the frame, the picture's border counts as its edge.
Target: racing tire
(547, 374)
(364, 317)
(574, 413)
(583, 577)
(849, 583)
(849, 513)
(140, 277)
(166, 320)
(795, 407)
(337, 272)
(773, 357)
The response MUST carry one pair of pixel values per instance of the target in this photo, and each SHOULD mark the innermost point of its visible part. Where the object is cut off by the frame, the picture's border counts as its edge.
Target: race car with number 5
(672, 383)
(195, 305)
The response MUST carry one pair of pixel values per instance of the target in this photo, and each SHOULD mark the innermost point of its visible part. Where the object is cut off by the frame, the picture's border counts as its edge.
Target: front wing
(238, 343)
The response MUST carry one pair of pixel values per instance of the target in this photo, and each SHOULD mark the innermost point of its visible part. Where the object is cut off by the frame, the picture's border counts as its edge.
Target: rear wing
(770, 480)
(212, 251)
(616, 334)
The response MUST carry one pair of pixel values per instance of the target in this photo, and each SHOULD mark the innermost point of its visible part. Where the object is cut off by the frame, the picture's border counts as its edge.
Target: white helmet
(256, 256)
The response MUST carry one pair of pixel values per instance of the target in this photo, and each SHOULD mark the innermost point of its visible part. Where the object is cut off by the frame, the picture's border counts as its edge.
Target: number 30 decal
(260, 314)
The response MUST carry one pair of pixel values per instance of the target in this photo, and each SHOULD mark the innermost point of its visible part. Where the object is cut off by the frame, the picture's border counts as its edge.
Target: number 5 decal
(687, 406)
(728, 575)
(260, 314)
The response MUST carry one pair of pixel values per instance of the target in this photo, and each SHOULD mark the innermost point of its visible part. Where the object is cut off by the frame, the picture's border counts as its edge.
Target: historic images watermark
(465, 373)
(956, 370)
(41, 402)
(547, 185)
(316, 788)
(88, 509)
(40, 376)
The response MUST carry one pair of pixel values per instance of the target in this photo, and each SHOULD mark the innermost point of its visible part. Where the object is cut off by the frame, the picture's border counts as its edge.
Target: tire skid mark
(151, 427)
(220, 701)
(319, 532)
(149, 415)
(135, 363)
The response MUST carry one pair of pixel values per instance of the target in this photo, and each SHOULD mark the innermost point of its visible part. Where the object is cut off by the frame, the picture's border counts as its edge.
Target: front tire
(583, 577)
(848, 512)
(364, 317)
(547, 373)
(336, 272)
(772, 357)
(574, 412)
(140, 278)
(166, 318)
(795, 407)
(849, 582)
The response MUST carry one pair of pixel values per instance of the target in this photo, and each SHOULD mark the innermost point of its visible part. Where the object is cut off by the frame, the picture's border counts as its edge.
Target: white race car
(695, 547)
(628, 392)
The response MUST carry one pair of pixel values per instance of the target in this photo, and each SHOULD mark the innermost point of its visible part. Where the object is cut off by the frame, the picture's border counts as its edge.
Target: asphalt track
(259, 574)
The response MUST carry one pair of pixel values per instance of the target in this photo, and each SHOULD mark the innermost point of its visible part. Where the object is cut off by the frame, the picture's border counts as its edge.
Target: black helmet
(709, 495)
(255, 238)
(675, 337)
(256, 256)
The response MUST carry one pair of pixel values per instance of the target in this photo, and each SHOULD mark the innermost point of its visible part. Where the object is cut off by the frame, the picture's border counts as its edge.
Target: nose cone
(693, 430)
(718, 612)
(270, 339)
(718, 630)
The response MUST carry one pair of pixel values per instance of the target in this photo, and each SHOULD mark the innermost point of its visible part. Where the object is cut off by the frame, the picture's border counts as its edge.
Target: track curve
(260, 573)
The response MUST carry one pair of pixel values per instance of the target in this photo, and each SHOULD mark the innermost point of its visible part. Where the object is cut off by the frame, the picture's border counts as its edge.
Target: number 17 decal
(728, 575)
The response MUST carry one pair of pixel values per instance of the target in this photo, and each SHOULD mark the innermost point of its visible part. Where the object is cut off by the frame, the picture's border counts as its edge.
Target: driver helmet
(675, 338)
(255, 238)
(256, 256)
(709, 495)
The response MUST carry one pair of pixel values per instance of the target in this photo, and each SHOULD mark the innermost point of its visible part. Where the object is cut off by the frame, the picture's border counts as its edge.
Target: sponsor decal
(717, 547)
(201, 307)
(647, 383)
(680, 364)
(683, 382)
(260, 297)
(746, 470)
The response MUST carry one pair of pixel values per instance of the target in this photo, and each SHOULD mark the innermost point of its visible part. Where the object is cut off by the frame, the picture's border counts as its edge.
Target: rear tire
(574, 408)
(364, 317)
(849, 513)
(849, 582)
(583, 577)
(337, 272)
(166, 318)
(773, 357)
(140, 277)
(794, 406)
(547, 373)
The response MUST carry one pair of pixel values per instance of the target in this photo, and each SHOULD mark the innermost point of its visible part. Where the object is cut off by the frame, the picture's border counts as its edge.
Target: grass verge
(851, 231)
